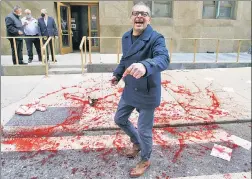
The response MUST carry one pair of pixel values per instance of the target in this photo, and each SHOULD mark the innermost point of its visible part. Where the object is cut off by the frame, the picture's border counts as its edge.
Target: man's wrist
(117, 77)
(145, 69)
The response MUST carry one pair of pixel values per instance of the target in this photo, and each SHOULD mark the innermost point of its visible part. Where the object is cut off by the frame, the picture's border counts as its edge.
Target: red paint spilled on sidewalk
(32, 144)
(106, 105)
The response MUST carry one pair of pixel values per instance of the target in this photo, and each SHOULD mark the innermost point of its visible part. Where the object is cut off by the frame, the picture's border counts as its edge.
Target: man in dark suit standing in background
(47, 27)
(14, 29)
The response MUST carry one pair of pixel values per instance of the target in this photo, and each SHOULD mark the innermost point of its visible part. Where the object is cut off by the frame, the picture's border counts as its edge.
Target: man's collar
(16, 15)
(144, 36)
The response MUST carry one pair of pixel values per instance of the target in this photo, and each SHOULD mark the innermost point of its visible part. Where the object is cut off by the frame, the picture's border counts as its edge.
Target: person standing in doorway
(144, 57)
(31, 30)
(15, 29)
(47, 28)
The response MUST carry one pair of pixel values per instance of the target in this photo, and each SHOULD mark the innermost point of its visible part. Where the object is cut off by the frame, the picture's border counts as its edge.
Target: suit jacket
(150, 50)
(50, 29)
(13, 25)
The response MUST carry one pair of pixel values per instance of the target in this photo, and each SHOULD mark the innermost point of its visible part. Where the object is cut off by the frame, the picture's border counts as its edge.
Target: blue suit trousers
(142, 135)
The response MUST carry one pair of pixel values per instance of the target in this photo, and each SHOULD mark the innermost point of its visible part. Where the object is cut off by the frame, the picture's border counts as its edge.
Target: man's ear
(149, 20)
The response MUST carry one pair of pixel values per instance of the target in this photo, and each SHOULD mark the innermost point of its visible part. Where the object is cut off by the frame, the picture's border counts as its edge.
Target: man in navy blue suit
(47, 28)
(144, 57)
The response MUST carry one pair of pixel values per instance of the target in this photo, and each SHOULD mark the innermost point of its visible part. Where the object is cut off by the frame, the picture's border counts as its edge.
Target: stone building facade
(174, 19)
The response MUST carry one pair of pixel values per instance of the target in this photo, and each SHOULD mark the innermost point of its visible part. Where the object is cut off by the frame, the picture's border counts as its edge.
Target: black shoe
(30, 60)
(22, 63)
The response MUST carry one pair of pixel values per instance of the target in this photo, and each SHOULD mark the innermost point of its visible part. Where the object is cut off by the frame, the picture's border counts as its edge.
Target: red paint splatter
(219, 149)
(105, 106)
(118, 142)
(120, 90)
(74, 170)
(181, 147)
(229, 144)
(227, 176)
(105, 154)
(35, 144)
(164, 176)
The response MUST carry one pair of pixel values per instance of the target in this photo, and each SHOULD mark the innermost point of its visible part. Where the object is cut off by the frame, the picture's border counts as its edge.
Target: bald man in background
(47, 28)
(31, 29)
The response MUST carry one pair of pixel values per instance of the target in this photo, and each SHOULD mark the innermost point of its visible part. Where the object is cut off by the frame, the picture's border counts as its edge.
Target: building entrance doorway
(75, 21)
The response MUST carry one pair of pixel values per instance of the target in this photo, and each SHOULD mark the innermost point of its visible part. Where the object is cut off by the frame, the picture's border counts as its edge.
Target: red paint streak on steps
(35, 144)
(118, 143)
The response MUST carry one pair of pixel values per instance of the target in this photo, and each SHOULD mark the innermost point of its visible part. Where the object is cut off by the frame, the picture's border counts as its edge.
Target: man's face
(140, 18)
(19, 12)
(43, 13)
(28, 14)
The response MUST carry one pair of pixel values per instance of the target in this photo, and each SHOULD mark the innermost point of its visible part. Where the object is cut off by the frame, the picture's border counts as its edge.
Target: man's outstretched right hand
(114, 81)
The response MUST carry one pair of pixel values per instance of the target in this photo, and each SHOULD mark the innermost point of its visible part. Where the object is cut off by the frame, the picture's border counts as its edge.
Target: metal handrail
(171, 46)
(44, 50)
(83, 40)
(25, 37)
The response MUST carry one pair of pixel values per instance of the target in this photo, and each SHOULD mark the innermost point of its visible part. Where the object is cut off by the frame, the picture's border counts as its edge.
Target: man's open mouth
(139, 23)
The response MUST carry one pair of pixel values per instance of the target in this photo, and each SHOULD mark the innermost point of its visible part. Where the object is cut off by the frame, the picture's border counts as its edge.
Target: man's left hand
(137, 70)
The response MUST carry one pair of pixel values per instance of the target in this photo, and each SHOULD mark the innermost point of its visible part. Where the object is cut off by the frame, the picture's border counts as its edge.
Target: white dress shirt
(45, 20)
(32, 26)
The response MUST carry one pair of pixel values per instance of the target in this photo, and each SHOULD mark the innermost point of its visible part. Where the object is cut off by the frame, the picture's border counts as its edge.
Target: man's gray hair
(15, 8)
(142, 4)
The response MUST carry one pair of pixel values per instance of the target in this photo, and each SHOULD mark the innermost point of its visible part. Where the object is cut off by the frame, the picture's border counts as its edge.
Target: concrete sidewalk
(189, 97)
(97, 58)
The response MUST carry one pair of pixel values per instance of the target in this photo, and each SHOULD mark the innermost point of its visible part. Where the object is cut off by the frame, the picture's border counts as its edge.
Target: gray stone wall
(186, 22)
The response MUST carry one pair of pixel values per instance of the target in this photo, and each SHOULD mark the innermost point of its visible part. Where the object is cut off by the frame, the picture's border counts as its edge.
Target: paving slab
(15, 88)
(204, 82)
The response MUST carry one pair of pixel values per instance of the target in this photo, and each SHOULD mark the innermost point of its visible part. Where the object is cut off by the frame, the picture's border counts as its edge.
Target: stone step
(114, 139)
(64, 66)
(55, 71)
